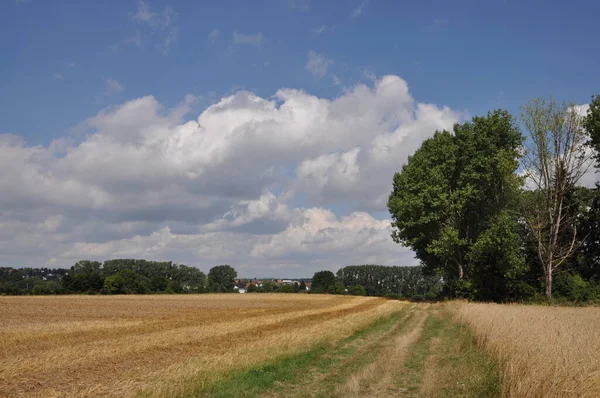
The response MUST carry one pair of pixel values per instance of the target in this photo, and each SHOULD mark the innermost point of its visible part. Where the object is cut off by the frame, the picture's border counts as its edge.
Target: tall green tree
(221, 279)
(84, 277)
(452, 190)
(322, 281)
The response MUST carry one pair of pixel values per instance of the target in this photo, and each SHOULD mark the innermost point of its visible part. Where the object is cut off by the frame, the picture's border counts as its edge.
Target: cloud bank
(285, 185)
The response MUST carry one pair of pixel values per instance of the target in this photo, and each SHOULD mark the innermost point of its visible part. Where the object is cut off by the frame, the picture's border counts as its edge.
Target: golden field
(123, 346)
(176, 345)
(542, 351)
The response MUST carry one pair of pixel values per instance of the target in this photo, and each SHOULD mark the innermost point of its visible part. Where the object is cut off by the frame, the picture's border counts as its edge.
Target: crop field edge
(262, 377)
(446, 347)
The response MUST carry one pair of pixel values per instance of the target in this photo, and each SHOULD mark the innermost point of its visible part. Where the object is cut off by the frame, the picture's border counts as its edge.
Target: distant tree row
(17, 281)
(120, 276)
(502, 216)
(271, 287)
(379, 280)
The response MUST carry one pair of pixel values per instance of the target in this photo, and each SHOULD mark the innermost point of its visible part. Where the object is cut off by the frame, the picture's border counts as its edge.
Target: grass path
(416, 352)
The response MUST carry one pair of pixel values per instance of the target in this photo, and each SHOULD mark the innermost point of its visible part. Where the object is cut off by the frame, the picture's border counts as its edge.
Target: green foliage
(114, 284)
(357, 290)
(287, 289)
(380, 280)
(591, 124)
(588, 264)
(452, 193)
(337, 288)
(393, 296)
(574, 288)
(85, 277)
(47, 288)
(418, 298)
(21, 281)
(498, 261)
(120, 276)
(252, 288)
(322, 281)
(269, 286)
(221, 279)
(302, 286)
(430, 296)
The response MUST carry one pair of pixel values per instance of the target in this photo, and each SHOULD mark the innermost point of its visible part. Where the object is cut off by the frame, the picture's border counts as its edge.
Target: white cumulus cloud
(284, 185)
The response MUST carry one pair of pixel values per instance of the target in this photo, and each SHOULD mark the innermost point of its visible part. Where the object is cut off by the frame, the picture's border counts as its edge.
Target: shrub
(430, 296)
(393, 296)
(357, 290)
(418, 298)
(286, 289)
(574, 288)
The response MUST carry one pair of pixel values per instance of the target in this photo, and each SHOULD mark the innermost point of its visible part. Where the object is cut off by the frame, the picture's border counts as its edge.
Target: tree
(114, 284)
(588, 226)
(555, 161)
(85, 277)
(286, 289)
(133, 283)
(499, 262)
(591, 123)
(191, 278)
(252, 288)
(269, 286)
(221, 279)
(302, 286)
(322, 281)
(450, 192)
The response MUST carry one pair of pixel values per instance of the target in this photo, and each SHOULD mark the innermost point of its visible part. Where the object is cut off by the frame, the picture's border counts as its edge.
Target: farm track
(384, 377)
(99, 360)
(373, 368)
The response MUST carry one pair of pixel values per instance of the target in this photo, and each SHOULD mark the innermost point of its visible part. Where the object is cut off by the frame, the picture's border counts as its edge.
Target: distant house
(241, 290)
(308, 285)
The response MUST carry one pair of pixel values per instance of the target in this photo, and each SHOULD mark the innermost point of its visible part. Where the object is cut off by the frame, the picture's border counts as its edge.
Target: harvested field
(160, 345)
(542, 351)
(275, 345)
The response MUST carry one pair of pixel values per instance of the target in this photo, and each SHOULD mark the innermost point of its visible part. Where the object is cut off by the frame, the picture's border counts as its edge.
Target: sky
(260, 134)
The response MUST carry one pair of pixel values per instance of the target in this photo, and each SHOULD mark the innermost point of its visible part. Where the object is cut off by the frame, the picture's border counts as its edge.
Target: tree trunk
(549, 284)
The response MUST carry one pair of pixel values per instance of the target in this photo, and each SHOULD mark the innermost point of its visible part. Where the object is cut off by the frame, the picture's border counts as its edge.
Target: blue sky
(469, 55)
(90, 81)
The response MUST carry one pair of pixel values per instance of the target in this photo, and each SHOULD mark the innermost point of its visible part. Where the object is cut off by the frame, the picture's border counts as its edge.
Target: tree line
(396, 282)
(132, 276)
(118, 276)
(500, 215)
(138, 276)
